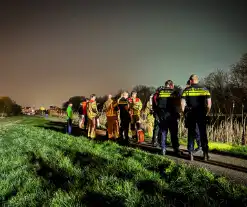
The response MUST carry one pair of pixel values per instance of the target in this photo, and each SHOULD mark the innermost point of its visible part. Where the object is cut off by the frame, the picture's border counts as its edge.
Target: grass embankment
(39, 166)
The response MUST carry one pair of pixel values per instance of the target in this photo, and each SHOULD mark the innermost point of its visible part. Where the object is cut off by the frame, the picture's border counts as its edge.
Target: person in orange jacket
(111, 109)
(135, 112)
(92, 113)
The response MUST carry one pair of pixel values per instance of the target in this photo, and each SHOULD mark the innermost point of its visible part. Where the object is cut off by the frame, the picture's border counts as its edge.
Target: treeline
(228, 89)
(9, 107)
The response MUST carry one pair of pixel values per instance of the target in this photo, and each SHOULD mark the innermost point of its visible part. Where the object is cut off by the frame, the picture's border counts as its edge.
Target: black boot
(205, 156)
(177, 151)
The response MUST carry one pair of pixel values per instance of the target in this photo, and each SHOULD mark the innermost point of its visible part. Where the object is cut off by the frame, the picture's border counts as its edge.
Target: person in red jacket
(83, 113)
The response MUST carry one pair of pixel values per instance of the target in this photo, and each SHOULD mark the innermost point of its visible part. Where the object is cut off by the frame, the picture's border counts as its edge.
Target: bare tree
(218, 83)
(144, 92)
(239, 73)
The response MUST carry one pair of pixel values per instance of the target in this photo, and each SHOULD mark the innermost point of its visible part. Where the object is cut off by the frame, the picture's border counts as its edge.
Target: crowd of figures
(162, 113)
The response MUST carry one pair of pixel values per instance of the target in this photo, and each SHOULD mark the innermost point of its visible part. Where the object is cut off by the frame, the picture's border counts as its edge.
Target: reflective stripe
(163, 94)
(123, 102)
(196, 92)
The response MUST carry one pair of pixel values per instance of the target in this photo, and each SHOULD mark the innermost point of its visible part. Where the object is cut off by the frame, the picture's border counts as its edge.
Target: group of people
(162, 113)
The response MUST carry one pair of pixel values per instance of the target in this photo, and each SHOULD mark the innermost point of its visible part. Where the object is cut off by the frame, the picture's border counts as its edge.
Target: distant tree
(177, 88)
(75, 100)
(118, 94)
(144, 92)
(100, 101)
(9, 107)
(239, 73)
(65, 105)
(16, 109)
(218, 83)
(6, 105)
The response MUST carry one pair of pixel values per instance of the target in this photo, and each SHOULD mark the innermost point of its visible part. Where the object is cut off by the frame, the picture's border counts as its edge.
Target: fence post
(243, 125)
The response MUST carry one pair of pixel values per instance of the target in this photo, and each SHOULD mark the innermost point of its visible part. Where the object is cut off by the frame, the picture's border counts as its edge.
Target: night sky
(52, 50)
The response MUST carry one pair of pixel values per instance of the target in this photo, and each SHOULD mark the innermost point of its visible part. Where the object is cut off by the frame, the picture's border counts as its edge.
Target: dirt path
(233, 168)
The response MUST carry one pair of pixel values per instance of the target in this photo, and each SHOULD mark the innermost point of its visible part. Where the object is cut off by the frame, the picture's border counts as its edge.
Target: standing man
(168, 115)
(92, 113)
(135, 111)
(69, 118)
(156, 132)
(197, 134)
(125, 119)
(111, 109)
(149, 116)
(198, 99)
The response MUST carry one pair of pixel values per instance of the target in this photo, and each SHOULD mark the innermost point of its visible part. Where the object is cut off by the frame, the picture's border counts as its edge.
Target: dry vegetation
(228, 131)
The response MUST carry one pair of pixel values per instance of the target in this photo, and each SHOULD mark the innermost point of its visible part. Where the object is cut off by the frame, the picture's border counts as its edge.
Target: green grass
(223, 147)
(43, 167)
(235, 150)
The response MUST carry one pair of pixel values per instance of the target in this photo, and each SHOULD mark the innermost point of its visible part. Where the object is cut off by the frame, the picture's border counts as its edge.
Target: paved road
(233, 168)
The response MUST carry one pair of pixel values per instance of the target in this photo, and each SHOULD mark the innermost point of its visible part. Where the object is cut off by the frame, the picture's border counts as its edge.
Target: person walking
(197, 133)
(198, 99)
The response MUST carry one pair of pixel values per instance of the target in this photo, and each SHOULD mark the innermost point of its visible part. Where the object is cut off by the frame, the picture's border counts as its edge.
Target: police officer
(197, 134)
(168, 115)
(156, 131)
(198, 100)
(125, 118)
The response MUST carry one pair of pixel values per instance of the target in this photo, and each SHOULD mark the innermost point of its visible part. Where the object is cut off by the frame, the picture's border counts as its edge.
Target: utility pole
(243, 125)
(232, 113)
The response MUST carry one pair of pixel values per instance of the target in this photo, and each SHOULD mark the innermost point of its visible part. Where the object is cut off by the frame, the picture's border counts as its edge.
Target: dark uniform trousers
(156, 131)
(169, 123)
(124, 129)
(197, 128)
(197, 133)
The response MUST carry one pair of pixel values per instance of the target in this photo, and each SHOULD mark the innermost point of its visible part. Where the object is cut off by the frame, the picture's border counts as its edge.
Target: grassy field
(44, 167)
(218, 147)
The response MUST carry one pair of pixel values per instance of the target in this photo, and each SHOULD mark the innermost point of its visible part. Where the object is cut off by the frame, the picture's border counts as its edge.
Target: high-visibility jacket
(69, 112)
(92, 110)
(110, 107)
(147, 112)
(195, 97)
(135, 106)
